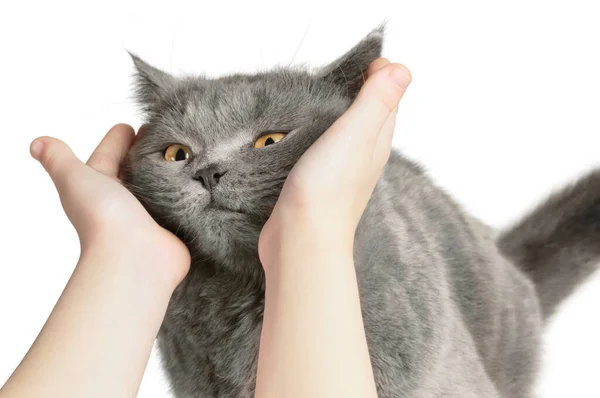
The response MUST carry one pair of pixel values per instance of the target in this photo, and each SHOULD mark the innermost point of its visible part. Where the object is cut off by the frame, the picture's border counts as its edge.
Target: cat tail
(558, 243)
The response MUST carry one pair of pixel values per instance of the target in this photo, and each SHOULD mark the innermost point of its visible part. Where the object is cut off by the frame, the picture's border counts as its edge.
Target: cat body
(451, 308)
(445, 314)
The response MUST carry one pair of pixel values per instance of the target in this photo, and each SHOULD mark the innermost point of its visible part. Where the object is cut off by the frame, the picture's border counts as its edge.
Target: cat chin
(220, 232)
(228, 221)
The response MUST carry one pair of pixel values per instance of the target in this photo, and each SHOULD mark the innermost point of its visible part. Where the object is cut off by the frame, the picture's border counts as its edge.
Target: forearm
(313, 342)
(97, 341)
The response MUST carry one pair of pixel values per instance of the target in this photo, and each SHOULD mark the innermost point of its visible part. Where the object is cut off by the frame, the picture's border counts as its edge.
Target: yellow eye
(268, 139)
(176, 152)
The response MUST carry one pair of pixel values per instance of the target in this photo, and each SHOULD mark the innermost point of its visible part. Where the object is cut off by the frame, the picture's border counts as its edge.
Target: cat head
(215, 152)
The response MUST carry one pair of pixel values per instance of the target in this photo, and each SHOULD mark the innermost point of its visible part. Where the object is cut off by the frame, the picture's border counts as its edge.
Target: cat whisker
(301, 41)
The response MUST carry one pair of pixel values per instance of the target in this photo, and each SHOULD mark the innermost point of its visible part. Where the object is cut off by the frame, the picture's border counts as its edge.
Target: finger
(112, 150)
(56, 157)
(376, 65)
(375, 102)
(382, 92)
(383, 146)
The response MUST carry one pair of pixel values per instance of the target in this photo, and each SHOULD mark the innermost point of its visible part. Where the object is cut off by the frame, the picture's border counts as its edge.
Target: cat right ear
(151, 84)
(348, 71)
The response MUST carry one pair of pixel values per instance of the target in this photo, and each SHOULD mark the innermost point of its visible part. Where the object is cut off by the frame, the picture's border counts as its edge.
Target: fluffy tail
(558, 244)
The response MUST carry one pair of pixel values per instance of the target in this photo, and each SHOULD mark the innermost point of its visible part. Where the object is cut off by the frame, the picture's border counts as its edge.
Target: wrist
(314, 225)
(293, 240)
(154, 258)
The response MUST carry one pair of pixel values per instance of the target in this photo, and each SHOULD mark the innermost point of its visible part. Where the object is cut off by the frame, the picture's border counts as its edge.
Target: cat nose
(210, 176)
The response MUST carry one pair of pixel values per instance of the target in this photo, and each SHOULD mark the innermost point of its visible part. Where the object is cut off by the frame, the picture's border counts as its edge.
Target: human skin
(313, 342)
(98, 338)
(97, 341)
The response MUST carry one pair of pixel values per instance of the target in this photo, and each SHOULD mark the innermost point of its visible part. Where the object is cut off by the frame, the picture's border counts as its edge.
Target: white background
(504, 107)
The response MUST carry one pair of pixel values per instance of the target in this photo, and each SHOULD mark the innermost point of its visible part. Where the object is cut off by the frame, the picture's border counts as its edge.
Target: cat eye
(176, 152)
(268, 139)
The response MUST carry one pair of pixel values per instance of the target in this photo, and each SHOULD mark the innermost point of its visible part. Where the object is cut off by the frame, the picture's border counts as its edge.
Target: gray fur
(446, 314)
(558, 244)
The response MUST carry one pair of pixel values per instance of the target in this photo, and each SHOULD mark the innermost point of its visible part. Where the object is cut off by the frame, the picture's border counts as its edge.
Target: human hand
(108, 218)
(329, 187)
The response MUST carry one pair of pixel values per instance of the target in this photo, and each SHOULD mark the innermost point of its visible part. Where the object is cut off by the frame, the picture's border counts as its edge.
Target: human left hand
(107, 217)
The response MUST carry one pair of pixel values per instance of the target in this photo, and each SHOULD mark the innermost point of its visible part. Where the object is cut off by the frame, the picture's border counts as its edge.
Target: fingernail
(36, 149)
(400, 75)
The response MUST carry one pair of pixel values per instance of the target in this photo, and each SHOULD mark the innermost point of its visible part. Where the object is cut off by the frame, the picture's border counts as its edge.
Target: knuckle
(389, 96)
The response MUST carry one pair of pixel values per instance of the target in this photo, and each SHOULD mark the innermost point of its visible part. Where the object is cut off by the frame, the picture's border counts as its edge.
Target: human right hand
(328, 189)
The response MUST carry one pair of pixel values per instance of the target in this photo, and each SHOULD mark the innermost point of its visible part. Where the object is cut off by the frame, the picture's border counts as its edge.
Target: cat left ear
(151, 84)
(348, 71)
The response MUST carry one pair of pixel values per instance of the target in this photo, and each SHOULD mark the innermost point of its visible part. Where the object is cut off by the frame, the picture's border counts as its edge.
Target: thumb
(374, 105)
(57, 158)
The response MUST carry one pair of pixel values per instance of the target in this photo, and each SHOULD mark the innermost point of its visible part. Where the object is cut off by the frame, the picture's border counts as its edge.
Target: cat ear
(151, 84)
(348, 70)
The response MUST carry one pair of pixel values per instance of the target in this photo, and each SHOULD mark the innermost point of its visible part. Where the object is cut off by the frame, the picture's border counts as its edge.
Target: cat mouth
(213, 205)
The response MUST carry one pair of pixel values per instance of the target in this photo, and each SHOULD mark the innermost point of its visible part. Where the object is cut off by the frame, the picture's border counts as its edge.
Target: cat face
(216, 188)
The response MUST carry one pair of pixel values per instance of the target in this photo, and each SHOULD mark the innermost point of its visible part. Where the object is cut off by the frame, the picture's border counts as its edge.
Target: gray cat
(451, 307)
